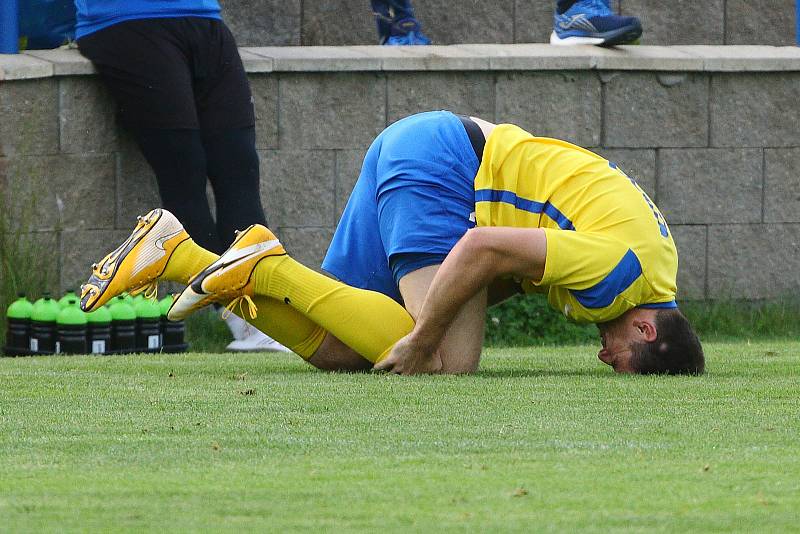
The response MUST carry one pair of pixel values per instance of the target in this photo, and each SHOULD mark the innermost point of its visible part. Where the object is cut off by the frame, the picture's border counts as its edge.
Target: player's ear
(646, 329)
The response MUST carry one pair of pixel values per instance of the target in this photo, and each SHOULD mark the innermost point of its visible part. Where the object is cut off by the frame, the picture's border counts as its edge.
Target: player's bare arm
(478, 259)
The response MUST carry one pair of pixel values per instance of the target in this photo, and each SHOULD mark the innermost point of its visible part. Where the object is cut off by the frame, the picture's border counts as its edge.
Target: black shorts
(173, 73)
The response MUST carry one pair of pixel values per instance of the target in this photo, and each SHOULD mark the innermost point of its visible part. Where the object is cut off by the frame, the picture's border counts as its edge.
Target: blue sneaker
(406, 32)
(396, 23)
(593, 22)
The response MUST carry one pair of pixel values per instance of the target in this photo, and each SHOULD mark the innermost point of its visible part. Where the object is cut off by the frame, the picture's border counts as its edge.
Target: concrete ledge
(745, 58)
(65, 62)
(465, 57)
(22, 67)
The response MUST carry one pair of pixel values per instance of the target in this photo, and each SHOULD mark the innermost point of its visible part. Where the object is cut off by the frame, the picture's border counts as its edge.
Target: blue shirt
(95, 15)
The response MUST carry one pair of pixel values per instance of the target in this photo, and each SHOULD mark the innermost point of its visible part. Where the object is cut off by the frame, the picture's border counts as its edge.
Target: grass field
(540, 439)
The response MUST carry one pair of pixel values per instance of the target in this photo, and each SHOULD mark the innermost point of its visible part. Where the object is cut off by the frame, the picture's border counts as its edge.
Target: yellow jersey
(608, 246)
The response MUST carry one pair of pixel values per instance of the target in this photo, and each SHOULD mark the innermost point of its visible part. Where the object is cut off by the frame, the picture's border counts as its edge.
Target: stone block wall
(350, 22)
(710, 133)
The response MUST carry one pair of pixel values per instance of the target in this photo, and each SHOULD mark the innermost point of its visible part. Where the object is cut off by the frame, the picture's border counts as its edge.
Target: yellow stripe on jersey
(608, 247)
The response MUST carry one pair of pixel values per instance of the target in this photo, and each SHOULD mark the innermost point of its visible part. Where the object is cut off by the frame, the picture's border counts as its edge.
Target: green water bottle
(71, 328)
(18, 327)
(123, 325)
(148, 325)
(98, 331)
(63, 302)
(43, 325)
(173, 333)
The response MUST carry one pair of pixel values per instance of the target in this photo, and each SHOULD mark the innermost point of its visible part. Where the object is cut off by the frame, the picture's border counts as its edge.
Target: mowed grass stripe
(540, 439)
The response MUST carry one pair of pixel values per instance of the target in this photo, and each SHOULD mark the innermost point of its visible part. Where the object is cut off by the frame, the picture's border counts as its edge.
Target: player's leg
(303, 336)
(460, 350)
(426, 203)
(256, 264)
(160, 249)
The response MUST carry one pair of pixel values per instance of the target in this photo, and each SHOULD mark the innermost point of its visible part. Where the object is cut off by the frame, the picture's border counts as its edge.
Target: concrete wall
(349, 22)
(710, 132)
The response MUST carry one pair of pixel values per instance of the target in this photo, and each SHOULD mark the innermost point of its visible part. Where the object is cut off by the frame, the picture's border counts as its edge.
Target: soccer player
(449, 213)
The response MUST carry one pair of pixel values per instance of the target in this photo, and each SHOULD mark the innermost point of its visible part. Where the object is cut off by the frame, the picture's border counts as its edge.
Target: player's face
(617, 336)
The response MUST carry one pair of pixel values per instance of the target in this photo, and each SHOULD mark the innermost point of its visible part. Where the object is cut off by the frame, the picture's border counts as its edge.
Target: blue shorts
(413, 201)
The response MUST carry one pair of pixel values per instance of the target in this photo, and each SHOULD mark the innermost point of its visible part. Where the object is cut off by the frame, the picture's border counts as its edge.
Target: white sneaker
(258, 342)
(248, 338)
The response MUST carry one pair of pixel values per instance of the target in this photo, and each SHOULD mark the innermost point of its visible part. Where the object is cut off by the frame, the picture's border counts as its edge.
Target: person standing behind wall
(174, 69)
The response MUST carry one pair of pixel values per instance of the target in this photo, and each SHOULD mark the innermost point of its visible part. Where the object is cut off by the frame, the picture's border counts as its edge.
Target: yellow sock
(366, 321)
(281, 322)
(287, 326)
(187, 260)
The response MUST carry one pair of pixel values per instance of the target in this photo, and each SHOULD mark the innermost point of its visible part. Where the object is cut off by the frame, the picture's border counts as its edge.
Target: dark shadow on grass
(598, 373)
(532, 373)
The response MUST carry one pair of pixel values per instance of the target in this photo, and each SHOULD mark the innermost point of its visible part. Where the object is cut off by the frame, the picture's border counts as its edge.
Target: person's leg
(160, 249)
(179, 162)
(303, 336)
(397, 24)
(460, 350)
(234, 175)
(366, 321)
(146, 65)
(256, 265)
(592, 22)
(227, 124)
(281, 322)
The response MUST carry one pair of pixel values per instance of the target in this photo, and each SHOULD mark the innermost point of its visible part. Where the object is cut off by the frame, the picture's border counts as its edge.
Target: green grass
(543, 439)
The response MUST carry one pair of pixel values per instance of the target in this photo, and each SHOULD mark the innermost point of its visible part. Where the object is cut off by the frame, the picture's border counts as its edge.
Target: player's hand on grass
(409, 358)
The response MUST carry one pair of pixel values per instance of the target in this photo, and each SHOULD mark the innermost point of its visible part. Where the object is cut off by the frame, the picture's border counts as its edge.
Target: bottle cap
(165, 304)
(71, 314)
(100, 316)
(20, 309)
(121, 310)
(147, 309)
(64, 301)
(45, 309)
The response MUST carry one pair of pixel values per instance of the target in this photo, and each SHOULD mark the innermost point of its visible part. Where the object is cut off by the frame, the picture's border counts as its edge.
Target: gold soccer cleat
(137, 263)
(229, 278)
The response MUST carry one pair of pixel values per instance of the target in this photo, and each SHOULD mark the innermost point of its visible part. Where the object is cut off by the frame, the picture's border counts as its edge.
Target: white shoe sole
(264, 343)
(573, 41)
(187, 303)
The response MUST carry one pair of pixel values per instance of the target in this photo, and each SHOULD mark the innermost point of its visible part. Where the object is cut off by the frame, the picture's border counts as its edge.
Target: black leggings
(184, 159)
